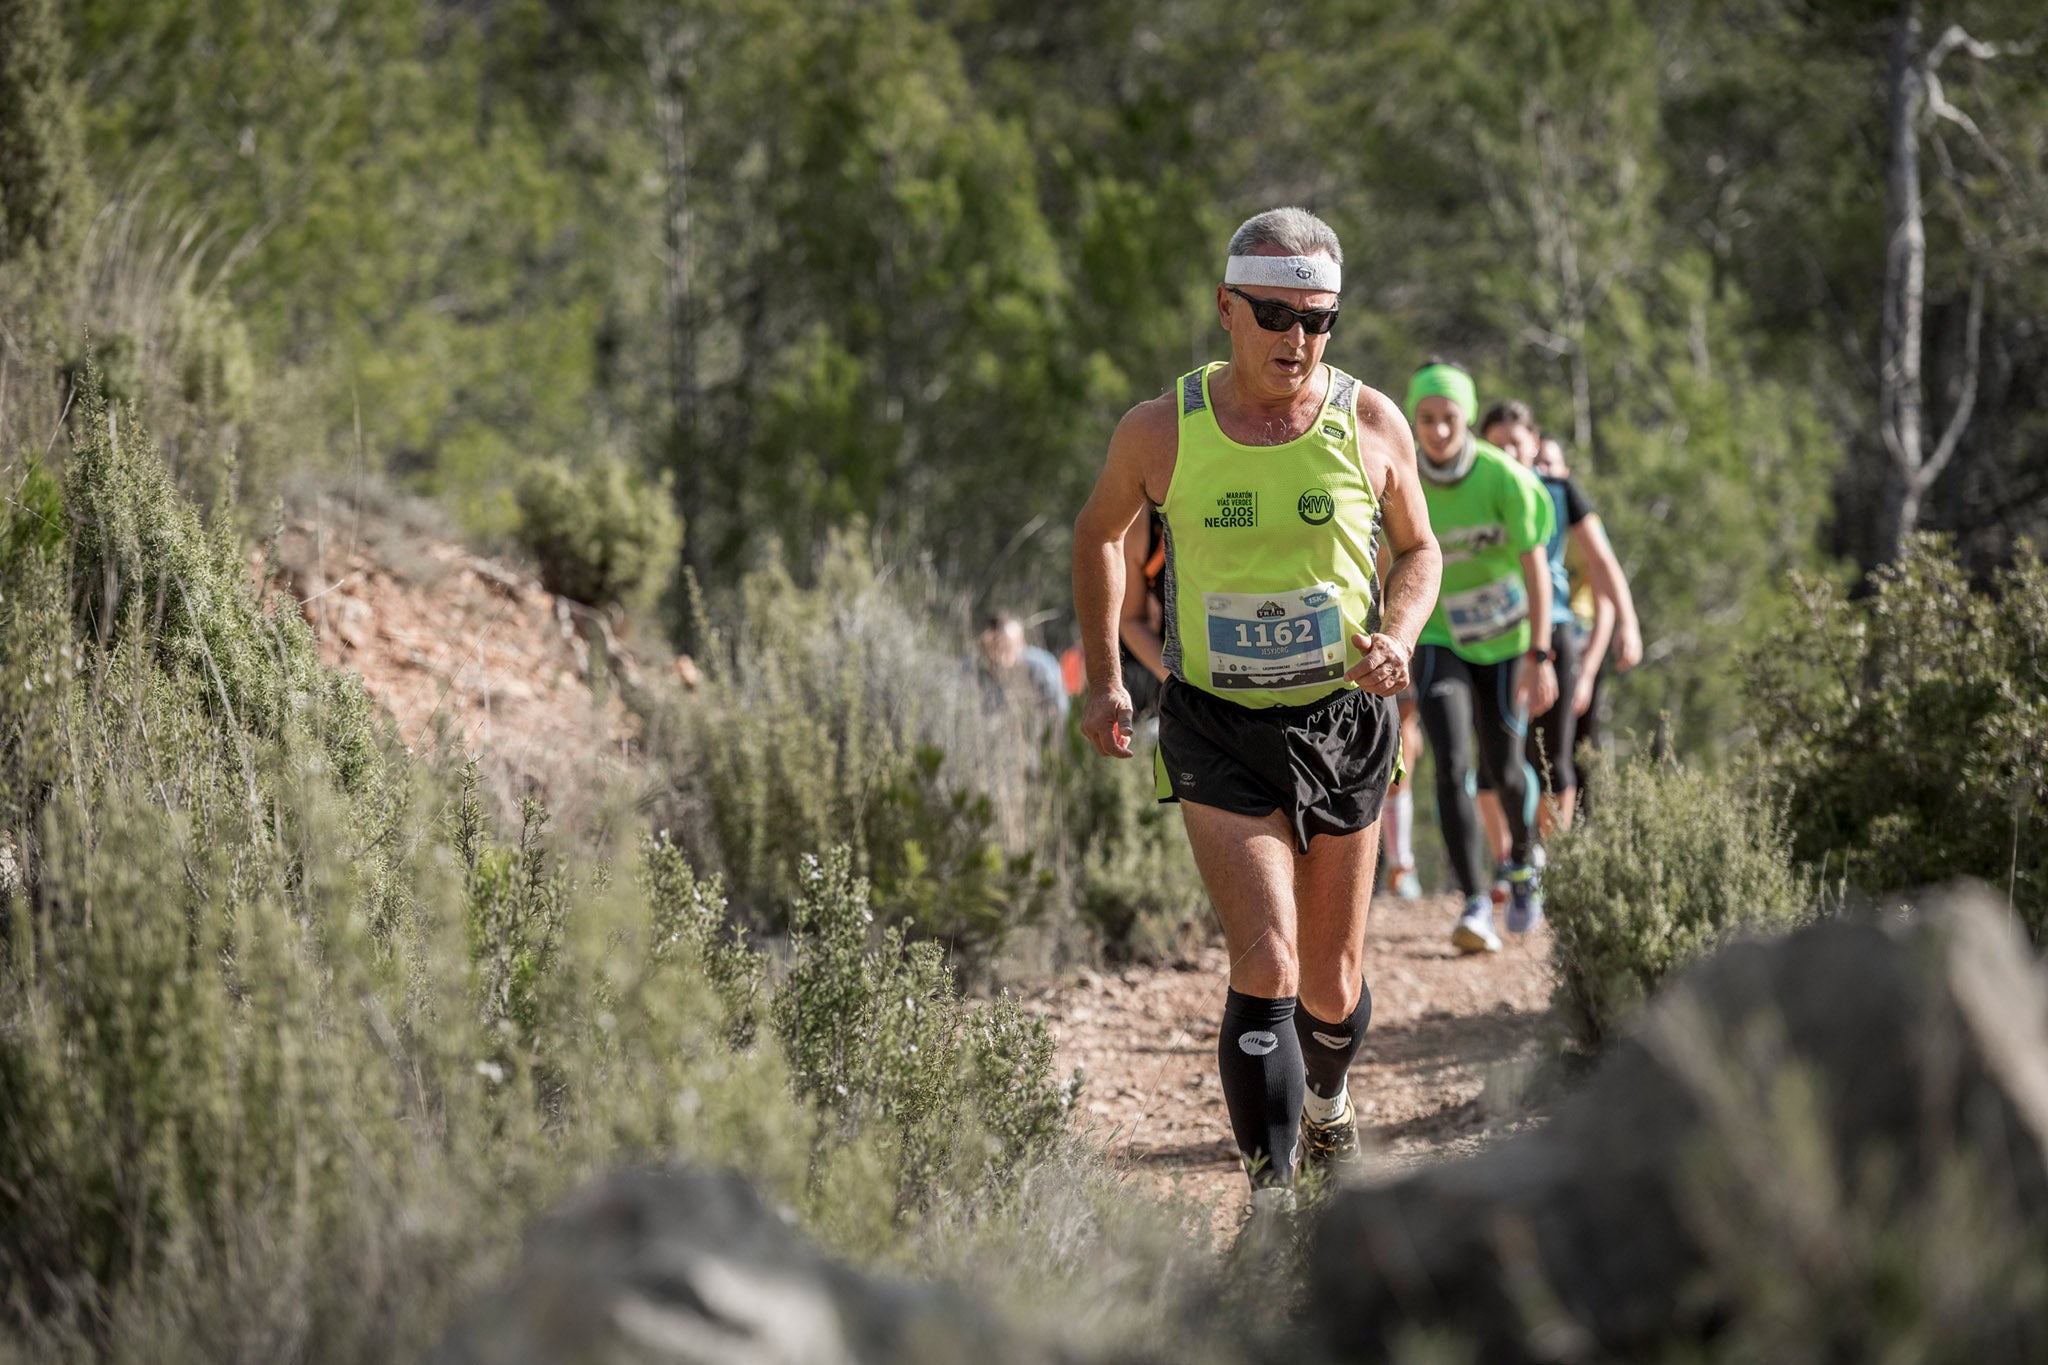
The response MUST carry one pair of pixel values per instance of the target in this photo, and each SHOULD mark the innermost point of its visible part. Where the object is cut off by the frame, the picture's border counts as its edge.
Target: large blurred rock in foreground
(682, 1265)
(1825, 1147)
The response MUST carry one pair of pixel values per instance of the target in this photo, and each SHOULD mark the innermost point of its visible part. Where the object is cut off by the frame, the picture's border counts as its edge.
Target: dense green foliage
(292, 1043)
(902, 265)
(1672, 862)
(1901, 740)
(1906, 734)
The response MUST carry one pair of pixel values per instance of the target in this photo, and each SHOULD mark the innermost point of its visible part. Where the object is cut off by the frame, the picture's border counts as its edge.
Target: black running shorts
(1324, 766)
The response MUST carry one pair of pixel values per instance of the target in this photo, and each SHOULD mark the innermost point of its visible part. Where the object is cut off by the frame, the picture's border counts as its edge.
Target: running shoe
(1474, 933)
(1407, 885)
(1330, 1148)
(1525, 898)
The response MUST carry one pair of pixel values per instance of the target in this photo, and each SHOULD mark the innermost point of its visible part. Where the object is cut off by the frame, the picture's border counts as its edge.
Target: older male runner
(1273, 472)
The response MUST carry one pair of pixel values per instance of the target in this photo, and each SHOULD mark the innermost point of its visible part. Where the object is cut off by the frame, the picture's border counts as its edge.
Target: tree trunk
(669, 55)
(1900, 415)
(1902, 400)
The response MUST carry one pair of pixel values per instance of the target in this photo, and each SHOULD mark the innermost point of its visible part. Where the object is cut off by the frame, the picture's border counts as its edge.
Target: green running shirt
(1484, 523)
(1270, 564)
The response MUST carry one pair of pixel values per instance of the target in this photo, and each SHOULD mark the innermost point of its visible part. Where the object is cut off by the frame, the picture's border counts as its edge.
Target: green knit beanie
(1443, 381)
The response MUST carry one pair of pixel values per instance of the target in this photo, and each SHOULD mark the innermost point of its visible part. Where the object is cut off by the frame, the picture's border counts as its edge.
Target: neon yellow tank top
(1270, 563)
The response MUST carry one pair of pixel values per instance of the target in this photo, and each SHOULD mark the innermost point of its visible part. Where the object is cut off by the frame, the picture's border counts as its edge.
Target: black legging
(1553, 738)
(1587, 739)
(1458, 699)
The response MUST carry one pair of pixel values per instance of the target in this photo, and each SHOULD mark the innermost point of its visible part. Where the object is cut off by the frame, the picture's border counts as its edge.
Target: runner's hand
(1536, 686)
(1628, 647)
(1106, 720)
(1382, 668)
(1582, 692)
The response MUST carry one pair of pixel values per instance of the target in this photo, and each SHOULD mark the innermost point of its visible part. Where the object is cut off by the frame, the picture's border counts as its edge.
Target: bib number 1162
(1252, 635)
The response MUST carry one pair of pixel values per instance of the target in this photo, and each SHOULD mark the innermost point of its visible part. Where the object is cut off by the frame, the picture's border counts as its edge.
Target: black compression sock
(1327, 1050)
(1259, 1060)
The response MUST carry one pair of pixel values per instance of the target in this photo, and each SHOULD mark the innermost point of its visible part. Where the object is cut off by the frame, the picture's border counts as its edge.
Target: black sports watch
(1543, 656)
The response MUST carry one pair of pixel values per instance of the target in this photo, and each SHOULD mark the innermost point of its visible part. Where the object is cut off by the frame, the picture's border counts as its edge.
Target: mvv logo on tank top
(1234, 509)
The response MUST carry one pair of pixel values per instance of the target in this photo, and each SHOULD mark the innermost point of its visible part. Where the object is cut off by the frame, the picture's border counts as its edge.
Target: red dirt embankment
(467, 653)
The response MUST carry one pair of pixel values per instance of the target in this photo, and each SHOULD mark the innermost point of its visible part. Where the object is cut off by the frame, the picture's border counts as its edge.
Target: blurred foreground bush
(1670, 863)
(1907, 733)
(292, 1043)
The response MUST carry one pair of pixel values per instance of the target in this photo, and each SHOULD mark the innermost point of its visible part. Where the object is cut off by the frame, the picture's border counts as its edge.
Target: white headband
(1285, 272)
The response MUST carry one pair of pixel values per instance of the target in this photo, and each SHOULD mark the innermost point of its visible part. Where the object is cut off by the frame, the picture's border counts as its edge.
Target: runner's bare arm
(1596, 650)
(1141, 634)
(1139, 451)
(1603, 571)
(1537, 684)
(1415, 564)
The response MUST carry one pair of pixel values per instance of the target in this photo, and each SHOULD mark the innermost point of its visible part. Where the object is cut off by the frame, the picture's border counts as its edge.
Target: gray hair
(1295, 231)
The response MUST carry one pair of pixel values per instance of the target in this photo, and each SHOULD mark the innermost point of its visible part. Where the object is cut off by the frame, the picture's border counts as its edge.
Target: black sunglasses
(1278, 317)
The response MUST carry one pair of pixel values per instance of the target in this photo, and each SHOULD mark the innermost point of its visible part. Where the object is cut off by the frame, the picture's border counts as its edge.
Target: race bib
(1485, 612)
(1271, 640)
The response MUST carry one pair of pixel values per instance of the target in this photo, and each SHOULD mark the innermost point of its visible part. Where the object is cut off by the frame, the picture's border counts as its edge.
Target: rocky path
(1445, 1028)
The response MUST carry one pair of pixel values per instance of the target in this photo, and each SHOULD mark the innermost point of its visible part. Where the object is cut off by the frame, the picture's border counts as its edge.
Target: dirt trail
(1442, 1025)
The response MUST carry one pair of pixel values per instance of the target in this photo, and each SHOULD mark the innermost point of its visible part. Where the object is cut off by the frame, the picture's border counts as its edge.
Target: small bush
(938, 869)
(603, 537)
(1672, 862)
(1906, 734)
(874, 1031)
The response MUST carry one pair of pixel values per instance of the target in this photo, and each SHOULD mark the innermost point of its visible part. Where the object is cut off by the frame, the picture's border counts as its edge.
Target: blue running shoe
(1525, 898)
(1407, 885)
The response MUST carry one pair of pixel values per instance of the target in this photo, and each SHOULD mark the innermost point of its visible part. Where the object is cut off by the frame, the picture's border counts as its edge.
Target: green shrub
(1906, 734)
(846, 713)
(938, 869)
(143, 565)
(34, 527)
(874, 1030)
(839, 714)
(690, 922)
(603, 536)
(1672, 862)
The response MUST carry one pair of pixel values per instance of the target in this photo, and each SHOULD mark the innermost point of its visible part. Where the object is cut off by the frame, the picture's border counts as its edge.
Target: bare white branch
(1955, 38)
(1952, 435)
(1938, 106)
